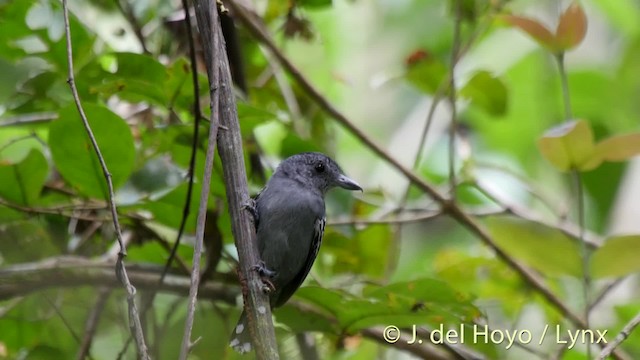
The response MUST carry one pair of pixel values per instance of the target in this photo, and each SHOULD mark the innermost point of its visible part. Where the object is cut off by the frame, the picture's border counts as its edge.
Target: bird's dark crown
(316, 171)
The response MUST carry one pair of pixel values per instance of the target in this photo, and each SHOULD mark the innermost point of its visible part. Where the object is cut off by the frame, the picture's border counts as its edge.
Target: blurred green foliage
(381, 63)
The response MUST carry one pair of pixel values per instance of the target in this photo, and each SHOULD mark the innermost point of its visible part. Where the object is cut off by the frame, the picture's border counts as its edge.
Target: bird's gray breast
(288, 216)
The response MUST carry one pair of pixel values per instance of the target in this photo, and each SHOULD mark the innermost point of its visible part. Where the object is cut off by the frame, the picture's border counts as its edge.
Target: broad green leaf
(300, 321)
(617, 257)
(21, 182)
(251, 116)
(487, 92)
(293, 144)
(74, 154)
(569, 146)
(137, 78)
(367, 252)
(425, 72)
(315, 4)
(165, 208)
(424, 301)
(153, 253)
(546, 249)
(534, 29)
(619, 147)
(572, 27)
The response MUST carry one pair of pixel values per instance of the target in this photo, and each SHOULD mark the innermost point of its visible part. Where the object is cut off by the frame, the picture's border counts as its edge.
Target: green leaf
(75, 157)
(425, 72)
(619, 147)
(569, 146)
(300, 321)
(153, 253)
(293, 144)
(138, 78)
(314, 4)
(402, 304)
(544, 248)
(21, 182)
(487, 92)
(617, 257)
(365, 253)
(251, 116)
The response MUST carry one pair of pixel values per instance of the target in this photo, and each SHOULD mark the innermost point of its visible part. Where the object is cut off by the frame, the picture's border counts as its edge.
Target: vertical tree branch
(213, 65)
(235, 177)
(579, 191)
(121, 272)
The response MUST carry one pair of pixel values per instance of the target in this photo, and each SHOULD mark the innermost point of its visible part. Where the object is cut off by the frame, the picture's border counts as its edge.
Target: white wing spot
(234, 343)
(246, 347)
(239, 328)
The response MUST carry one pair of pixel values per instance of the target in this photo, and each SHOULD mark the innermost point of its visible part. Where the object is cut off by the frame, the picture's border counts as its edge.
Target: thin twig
(66, 323)
(585, 252)
(28, 119)
(569, 229)
(453, 127)
(121, 272)
(91, 324)
(133, 21)
(604, 292)
(565, 86)
(622, 336)
(197, 116)
(422, 216)
(213, 69)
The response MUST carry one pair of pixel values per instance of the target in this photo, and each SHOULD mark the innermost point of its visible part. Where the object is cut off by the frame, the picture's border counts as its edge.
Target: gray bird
(290, 218)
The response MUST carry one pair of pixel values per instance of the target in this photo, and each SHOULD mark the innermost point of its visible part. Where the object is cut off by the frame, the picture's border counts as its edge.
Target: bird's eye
(319, 167)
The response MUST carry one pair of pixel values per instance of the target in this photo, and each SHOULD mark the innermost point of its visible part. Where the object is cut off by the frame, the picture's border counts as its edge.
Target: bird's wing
(293, 285)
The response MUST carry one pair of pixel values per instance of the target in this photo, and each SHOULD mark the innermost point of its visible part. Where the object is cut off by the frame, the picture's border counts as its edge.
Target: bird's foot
(250, 206)
(265, 275)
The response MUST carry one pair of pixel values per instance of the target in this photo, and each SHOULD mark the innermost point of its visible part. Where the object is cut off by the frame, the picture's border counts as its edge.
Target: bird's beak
(347, 183)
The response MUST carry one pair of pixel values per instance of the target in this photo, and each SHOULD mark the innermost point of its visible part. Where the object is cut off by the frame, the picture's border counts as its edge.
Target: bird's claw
(265, 275)
(250, 206)
(262, 269)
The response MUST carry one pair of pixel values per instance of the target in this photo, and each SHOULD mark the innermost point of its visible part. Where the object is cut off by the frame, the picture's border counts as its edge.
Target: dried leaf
(536, 30)
(572, 27)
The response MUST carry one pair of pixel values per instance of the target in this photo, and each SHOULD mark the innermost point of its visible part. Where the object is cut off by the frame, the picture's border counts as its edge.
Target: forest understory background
(495, 141)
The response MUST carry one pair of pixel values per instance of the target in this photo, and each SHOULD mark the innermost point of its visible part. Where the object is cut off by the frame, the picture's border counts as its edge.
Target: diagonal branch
(121, 272)
(91, 325)
(622, 336)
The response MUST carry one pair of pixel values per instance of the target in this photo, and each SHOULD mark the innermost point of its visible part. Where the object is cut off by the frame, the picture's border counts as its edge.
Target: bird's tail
(240, 338)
